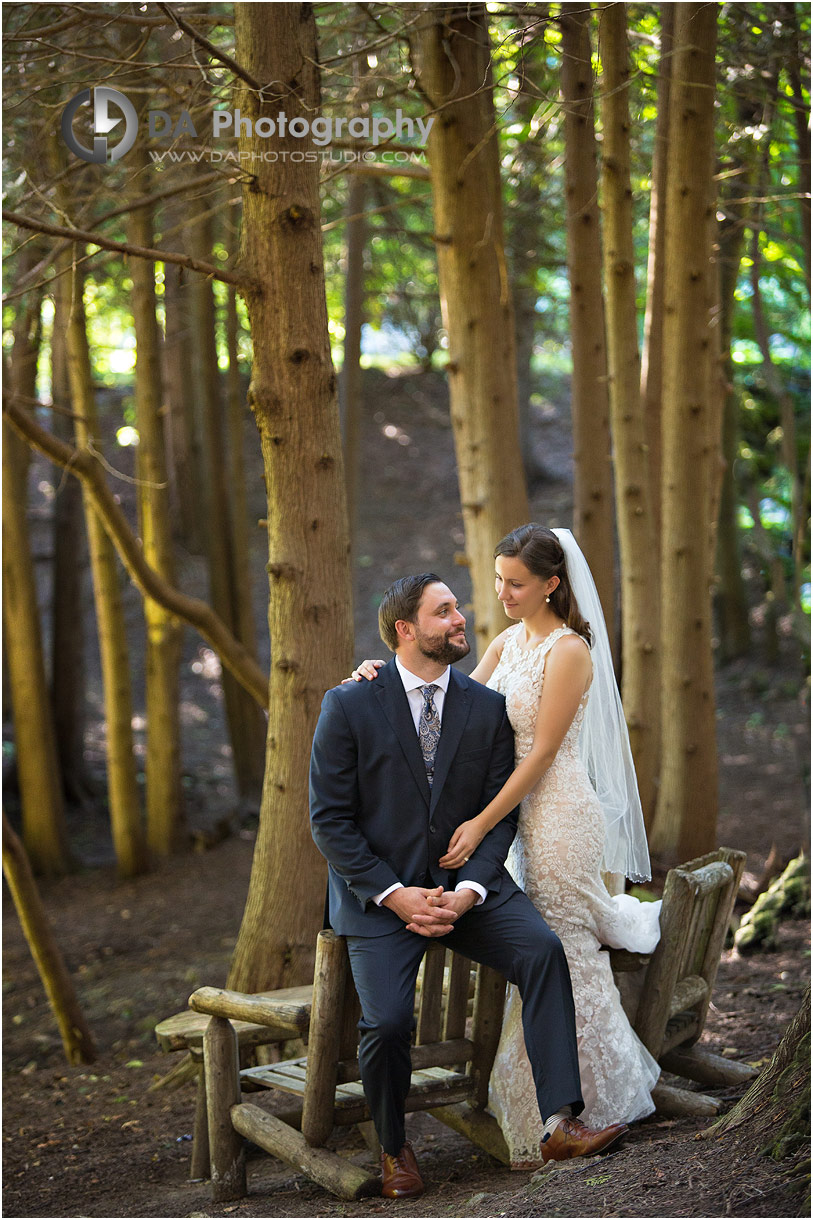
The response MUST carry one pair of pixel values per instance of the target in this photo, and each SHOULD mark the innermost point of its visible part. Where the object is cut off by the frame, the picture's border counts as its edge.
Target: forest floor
(94, 1141)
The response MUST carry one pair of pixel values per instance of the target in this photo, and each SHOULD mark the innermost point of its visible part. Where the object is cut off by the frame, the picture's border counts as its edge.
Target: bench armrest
(288, 1010)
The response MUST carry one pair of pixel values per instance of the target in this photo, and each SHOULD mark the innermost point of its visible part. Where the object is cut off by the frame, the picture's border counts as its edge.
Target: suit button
(432, 828)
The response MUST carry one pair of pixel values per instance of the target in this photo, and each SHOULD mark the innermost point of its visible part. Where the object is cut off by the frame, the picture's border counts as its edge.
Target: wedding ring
(465, 859)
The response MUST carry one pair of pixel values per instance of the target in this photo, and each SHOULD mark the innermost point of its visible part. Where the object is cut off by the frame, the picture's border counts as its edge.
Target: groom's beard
(444, 648)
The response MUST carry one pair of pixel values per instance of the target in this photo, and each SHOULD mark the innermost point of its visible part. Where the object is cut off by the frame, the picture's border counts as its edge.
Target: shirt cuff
(379, 898)
(473, 885)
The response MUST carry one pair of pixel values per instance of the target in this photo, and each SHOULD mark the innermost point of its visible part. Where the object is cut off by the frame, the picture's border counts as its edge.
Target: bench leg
(200, 1168)
(222, 1074)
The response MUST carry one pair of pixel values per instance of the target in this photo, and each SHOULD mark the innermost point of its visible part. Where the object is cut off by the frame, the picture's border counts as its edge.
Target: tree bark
(593, 510)
(245, 725)
(652, 360)
(640, 645)
(686, 819)
(129, 841)
(67, 601)
(350, 376)
(293, 396)
(237, 414)
(183, 444)
(34, 738)
(164, 794)
(730, 600)
(774, 1114)
(452, 63)
(77, 1039)
(34, 741)
(527, 225)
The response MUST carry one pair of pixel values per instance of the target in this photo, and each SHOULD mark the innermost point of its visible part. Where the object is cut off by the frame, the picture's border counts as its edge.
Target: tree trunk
(453, 70)
(293, 396)
(652, 361)
(77, 1039)
(350, 376)
(245, 722)
(164, 795)
(593, 515)
(527, 225)
(774, 1115)
(183, 443)
(34, 741)
(787, 414)
(638, 544)
(245, 628)
(67, 600)
(686, 819)
(129, 840)
(731, 602)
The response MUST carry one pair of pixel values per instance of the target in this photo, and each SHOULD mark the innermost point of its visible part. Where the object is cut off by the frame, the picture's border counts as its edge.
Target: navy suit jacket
(373, 815)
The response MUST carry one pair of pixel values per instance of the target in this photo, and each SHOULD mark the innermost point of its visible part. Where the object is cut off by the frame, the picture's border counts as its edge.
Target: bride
(580, 814)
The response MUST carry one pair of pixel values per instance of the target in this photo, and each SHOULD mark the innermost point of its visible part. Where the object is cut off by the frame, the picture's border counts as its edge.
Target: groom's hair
(401, 601)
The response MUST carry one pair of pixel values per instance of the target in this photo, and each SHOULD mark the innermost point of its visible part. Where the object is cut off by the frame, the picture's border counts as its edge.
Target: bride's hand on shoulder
(367, 669)
(463, 843)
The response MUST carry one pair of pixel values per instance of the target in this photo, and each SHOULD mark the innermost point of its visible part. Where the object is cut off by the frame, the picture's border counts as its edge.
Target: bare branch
(234, 656)
(143, 202)
(214, 51)
(163, 256)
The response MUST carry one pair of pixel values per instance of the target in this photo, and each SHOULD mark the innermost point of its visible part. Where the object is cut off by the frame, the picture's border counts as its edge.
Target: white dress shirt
(413, 685)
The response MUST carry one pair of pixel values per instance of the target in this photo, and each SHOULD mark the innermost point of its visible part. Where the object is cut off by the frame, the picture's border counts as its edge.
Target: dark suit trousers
(514, 939)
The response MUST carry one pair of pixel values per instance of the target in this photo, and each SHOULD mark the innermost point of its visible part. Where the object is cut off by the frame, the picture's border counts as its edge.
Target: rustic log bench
(452, 1056)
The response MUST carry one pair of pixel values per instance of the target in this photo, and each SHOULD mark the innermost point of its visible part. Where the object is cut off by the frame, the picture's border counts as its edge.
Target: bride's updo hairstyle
(541, 552)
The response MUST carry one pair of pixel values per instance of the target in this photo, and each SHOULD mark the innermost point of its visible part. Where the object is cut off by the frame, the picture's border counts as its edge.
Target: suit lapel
(394, 703)
(456, 708)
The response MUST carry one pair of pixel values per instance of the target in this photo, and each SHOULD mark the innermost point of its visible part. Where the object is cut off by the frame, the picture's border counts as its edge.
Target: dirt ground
(94, 1141)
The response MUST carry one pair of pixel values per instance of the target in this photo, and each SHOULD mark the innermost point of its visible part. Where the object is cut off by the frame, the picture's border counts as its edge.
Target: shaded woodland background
(585, 302)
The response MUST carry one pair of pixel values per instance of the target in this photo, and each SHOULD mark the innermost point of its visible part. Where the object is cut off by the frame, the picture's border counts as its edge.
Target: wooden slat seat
(432, 1086)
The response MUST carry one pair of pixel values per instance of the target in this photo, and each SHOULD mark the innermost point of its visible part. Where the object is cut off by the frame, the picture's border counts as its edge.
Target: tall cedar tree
(164, 793)
(593, 518)
(129, 839)
(686, 819)
(453, 69)
(293, 396)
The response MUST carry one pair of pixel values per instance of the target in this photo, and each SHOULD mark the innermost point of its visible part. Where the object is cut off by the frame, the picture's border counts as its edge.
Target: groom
(397, 764)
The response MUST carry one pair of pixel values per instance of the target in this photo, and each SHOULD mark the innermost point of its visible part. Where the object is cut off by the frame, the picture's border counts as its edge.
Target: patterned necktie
(429, 731)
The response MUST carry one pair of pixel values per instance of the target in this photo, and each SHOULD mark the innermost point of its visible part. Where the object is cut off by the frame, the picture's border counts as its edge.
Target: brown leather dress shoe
(572, 1138)
(400, 1178)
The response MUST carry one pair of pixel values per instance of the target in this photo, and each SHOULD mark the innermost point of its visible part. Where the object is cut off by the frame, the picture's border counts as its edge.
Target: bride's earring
(547, 599)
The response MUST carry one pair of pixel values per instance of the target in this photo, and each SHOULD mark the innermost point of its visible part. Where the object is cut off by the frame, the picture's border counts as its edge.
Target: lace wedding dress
(555, 858)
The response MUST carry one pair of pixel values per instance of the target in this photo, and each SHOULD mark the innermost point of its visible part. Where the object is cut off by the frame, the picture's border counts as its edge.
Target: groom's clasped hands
(429, 912)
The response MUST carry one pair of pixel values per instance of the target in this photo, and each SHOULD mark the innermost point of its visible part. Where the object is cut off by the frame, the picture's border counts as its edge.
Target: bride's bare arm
(488, 662)
(568, 670)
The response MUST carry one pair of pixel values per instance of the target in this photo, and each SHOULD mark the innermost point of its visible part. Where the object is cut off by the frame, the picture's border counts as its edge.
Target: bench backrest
(698, 900)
